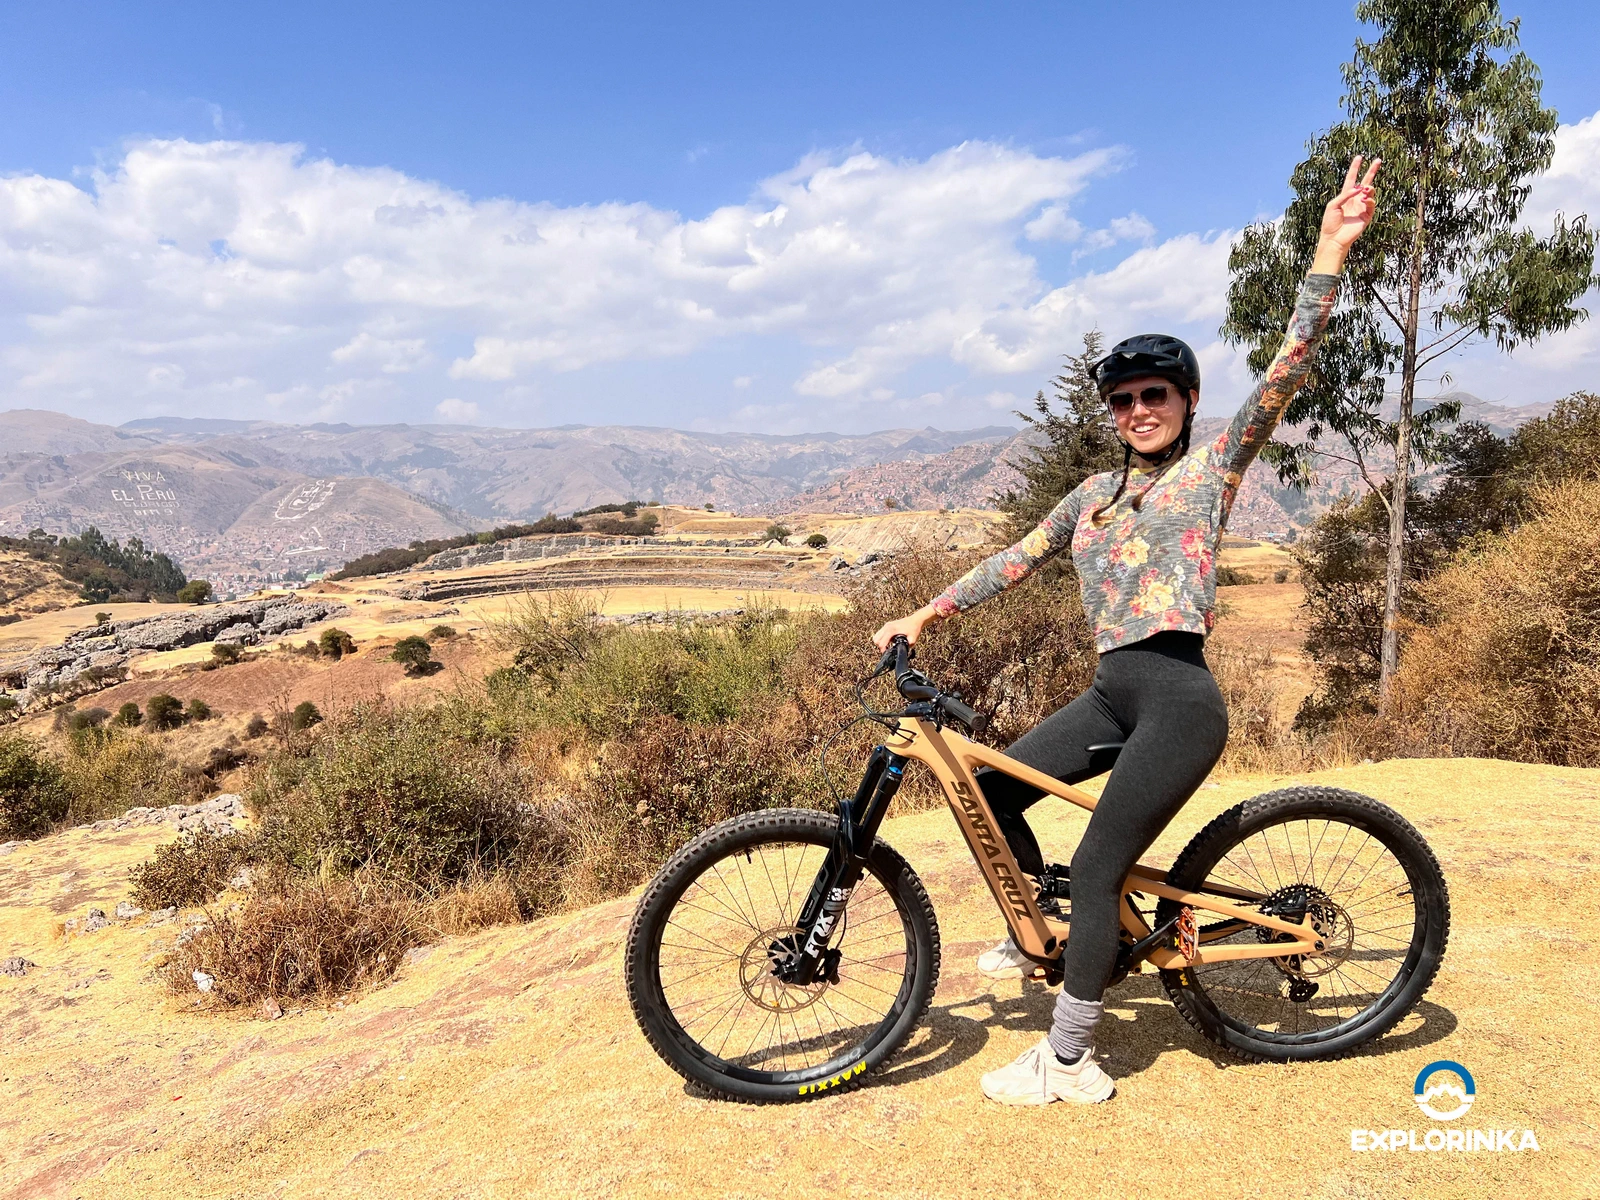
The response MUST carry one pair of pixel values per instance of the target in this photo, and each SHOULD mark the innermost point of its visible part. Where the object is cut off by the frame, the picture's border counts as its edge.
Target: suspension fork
(859, 819)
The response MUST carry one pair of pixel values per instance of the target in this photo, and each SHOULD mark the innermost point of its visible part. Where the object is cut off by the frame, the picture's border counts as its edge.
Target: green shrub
(1281, 575)
(110, 770)
(606, 678)
(190, 870)
(817, 541)
(775, 532)
(442, 633)
(102, 618)
(1233, 577)
(255, 726)
(33, 794)
(304, 716)
(164, 711)
(414, 654)
(196, 591)
(8, 705)
(198, 710)
(387, 789)
(335, 643)
(226, 652)
(128, 715)
(88, 718)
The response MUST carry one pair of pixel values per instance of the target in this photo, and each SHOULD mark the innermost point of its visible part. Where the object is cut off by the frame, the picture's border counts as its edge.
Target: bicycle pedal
(1187, 935)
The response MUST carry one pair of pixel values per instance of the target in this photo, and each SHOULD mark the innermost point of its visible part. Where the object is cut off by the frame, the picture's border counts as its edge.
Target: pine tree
(1077, 440)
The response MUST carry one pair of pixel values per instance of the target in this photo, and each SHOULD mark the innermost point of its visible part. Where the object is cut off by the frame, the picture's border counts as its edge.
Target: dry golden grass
(506, 1063)
(1512, 668)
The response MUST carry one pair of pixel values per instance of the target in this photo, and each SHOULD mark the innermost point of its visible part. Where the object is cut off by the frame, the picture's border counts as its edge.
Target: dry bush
(314, 937)
(112, 769)
(1259, 741)
(190, 870)
(1016, 657)
(666, 782)
(477, 904)
(1509, 666)
(317, 937)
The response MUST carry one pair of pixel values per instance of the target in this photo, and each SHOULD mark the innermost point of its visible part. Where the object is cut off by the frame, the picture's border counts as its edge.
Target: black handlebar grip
(970, 717)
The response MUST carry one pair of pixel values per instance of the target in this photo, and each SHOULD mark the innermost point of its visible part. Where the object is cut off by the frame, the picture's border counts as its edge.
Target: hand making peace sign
(1349, 213)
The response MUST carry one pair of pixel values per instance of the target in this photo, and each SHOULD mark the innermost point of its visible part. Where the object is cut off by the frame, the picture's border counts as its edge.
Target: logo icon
(1445, 1098)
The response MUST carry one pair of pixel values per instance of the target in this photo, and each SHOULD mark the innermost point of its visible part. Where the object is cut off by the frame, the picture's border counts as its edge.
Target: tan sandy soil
(507, 1064)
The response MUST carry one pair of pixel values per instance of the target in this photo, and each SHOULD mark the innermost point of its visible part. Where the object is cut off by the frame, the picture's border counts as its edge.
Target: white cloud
(1131, 228)
(742, 381)
(457, 412)
(227, 275)
(1053, 225)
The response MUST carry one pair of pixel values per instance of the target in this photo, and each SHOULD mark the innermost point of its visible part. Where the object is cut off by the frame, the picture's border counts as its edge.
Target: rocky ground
(106, 649)
(507, 1064)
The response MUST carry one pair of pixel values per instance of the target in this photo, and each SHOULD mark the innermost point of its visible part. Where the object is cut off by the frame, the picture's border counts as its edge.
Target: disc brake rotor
(759, 968)
(1332, 924)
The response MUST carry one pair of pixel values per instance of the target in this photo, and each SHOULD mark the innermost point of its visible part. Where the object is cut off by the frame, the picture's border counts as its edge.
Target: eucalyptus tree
(1445, 98)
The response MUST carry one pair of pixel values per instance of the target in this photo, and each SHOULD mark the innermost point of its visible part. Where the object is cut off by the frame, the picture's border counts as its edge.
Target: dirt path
(507, 1064)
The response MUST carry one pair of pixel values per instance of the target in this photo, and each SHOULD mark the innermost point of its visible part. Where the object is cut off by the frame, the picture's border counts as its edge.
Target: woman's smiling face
(1151, 423)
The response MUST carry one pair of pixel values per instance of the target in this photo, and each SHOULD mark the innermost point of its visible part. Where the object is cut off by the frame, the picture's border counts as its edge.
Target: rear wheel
(716, 923)
(1370, 885)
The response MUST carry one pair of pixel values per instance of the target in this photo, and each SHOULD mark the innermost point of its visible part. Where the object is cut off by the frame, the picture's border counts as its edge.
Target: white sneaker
(1006, 961)
(1038, 1077)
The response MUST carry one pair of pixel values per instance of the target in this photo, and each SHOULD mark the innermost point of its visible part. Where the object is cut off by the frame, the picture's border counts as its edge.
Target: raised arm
(1343, 221)
(1015, 563)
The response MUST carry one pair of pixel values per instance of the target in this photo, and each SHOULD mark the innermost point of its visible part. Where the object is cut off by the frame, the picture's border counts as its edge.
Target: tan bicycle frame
(952, 757)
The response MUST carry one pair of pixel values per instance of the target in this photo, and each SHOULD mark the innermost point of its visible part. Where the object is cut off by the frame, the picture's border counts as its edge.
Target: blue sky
(556, 200)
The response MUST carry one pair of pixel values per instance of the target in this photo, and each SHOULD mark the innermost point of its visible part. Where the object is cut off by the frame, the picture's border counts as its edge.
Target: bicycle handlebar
(917, 687)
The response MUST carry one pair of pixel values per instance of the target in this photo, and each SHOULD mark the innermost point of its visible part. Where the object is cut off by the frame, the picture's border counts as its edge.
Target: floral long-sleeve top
(1147, 565)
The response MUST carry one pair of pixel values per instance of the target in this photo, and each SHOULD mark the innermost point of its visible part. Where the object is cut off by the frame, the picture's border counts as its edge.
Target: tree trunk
(1394, 569)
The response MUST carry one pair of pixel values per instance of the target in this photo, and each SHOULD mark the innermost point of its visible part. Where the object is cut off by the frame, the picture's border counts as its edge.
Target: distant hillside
(245, 502)
(515, 474)
(973, 474)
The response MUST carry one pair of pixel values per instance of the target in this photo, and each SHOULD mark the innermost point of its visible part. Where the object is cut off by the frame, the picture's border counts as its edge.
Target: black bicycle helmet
(1166, 358)
(1148, 354)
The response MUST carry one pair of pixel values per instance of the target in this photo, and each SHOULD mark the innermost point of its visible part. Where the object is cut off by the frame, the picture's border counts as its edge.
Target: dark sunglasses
(1153, 397)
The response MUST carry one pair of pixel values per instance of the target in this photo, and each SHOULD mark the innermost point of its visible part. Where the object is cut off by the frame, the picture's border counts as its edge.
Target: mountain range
(247, 502)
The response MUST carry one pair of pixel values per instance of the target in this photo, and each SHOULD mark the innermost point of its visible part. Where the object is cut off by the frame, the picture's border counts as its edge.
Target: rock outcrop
(105, 649)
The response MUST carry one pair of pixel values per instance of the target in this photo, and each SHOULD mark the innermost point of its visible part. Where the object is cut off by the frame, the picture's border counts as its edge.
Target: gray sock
(1072, 1031)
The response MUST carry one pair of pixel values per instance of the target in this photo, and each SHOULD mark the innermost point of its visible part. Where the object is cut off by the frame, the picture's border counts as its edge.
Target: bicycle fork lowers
(859, 819)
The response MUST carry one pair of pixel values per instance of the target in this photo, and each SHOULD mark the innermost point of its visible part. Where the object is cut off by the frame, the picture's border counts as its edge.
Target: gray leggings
(1158, 696)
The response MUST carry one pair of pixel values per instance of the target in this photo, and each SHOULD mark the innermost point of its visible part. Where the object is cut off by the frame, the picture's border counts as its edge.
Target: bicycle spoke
(726, 934)
(1353, 888)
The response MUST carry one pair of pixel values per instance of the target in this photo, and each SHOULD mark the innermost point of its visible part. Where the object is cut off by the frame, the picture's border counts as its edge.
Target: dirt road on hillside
(506, 1064)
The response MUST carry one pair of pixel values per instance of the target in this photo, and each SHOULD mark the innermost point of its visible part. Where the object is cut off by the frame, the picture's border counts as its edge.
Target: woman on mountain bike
(1143, 542)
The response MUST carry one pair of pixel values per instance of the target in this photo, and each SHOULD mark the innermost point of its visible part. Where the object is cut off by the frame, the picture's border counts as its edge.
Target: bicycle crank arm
(859, 819)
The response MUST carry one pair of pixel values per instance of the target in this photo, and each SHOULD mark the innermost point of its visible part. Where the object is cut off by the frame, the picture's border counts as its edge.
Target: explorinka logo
(1444, 1090)
(1440, 1096)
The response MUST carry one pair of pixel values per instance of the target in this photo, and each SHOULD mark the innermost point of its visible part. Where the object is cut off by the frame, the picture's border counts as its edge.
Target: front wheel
(718, 920)
(1367, 881)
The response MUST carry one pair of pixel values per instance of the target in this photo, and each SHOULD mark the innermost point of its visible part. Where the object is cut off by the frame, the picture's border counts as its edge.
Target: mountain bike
(786, 953)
